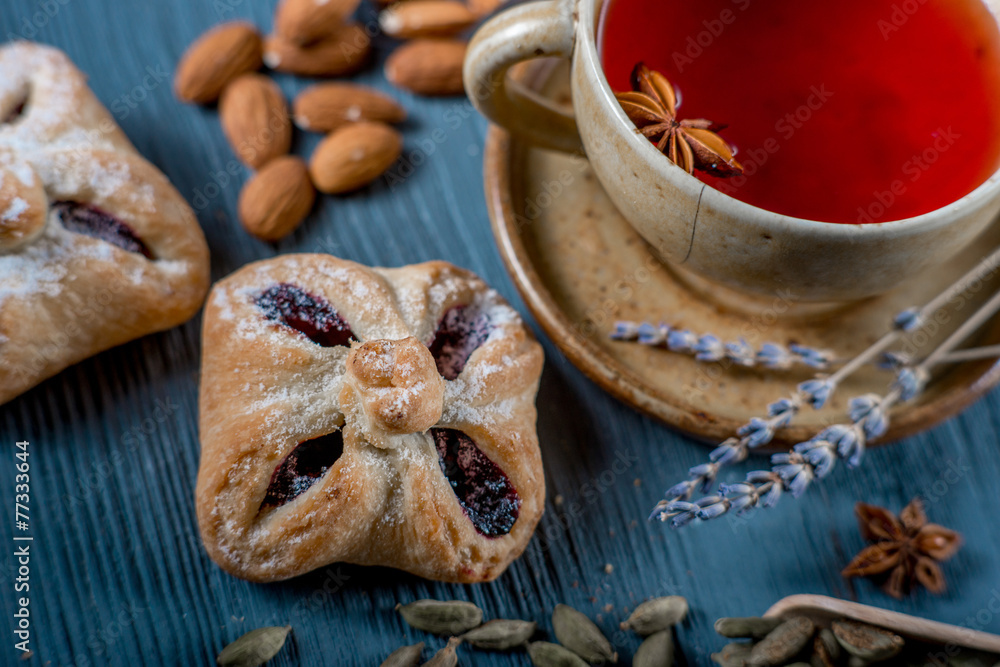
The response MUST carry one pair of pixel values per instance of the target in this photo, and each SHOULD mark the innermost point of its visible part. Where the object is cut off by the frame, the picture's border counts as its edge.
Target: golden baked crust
(66, 295)
(267, 387)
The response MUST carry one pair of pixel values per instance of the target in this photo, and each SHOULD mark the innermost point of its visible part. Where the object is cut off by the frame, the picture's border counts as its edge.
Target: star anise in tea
(906, 550)
(690, 144)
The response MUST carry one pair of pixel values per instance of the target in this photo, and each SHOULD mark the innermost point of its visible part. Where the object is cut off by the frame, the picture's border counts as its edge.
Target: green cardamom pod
(656, 615)
(446, 657)
(826, 649)
(254, 648)
(656, 651)
(500, 635)
(404, 656)
(867, 641)
(783, 643)
(547, 654)
(753, 628)
(581, 636)
(441, 617)
(733, 655)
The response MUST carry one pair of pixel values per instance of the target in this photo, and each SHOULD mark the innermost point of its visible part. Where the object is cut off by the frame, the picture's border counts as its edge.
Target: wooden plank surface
(119, 576)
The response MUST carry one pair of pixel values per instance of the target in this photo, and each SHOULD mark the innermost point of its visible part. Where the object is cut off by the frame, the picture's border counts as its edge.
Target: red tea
(857, 111)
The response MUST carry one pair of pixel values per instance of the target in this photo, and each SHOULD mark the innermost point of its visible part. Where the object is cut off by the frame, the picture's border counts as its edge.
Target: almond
(275, 201)
(354, 156)
(343, 52)
(427, 18)
(483, 7)
(428, 66)
(216, 58)
(307, 21)
(327, 106)
(255, 120)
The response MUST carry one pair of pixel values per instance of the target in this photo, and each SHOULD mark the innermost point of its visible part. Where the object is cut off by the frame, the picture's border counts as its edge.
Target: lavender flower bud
(758, 432)
(681, 341)
(910, 382)
(709, 348)
(817, 391)
(741, 353)
(625, 331)
(774, 356)
(812, 357)
(909, 320)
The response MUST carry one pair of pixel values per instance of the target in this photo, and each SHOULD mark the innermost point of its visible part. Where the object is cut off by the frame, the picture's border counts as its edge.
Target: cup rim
(945, 215)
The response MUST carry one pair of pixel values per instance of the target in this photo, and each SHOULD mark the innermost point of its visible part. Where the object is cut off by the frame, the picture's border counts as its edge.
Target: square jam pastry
(366, 415)
(96, 247)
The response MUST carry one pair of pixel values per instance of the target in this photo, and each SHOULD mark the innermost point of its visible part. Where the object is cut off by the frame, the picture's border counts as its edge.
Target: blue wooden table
(118, 574)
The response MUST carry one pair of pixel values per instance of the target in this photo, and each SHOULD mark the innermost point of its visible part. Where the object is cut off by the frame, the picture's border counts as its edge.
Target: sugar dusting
(291, 396)
(46, 143)
(14, 211)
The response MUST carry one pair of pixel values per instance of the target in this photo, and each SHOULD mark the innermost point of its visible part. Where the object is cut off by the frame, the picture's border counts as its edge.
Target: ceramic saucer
(580, 267)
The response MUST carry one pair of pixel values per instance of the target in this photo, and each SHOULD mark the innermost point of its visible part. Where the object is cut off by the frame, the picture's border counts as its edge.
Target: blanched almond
(428, 66)
(255, 120)
(307, 21)
(216, 58)
(426, 18)
(354, 156)
(326, 106)
(275, 201)
(344, 52)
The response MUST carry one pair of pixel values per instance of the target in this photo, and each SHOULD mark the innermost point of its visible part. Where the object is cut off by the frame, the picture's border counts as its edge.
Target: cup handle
(523, 32)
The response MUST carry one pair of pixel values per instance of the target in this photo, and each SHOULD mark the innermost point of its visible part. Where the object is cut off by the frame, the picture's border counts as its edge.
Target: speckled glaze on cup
(692, 226)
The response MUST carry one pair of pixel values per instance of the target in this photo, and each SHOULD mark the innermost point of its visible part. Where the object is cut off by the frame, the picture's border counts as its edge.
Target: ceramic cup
(688, 224)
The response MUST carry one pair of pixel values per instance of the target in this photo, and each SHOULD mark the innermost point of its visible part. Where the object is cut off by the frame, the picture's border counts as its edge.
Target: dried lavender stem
(815, 458)
(986, 311)
(971, 354)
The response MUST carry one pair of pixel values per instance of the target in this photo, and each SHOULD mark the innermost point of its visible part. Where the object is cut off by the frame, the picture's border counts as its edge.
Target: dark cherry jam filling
(461, 332)
(90, 220)
(310, 315)
(483, 489)
(303, 467)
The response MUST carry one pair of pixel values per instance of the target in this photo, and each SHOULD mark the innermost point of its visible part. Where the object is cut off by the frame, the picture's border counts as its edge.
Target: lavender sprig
(709, 348)
(795, 471)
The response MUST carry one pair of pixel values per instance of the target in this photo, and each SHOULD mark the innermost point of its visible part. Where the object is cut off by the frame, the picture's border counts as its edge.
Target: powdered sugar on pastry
(96, 246)
(425, 378)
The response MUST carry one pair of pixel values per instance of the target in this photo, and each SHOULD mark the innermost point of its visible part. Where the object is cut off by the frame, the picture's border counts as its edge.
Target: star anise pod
(906, 551)
(690, 144)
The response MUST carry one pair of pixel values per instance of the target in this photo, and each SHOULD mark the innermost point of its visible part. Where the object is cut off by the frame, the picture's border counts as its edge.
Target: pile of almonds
(318, 38)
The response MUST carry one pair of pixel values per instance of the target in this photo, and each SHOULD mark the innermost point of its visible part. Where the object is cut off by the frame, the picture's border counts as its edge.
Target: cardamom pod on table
(446, 657)
(500, 634)
(254, 648)
(441, 617)
(656, 615)
(404, 656)
(656, 651)
(580, 635)
(547, 654)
